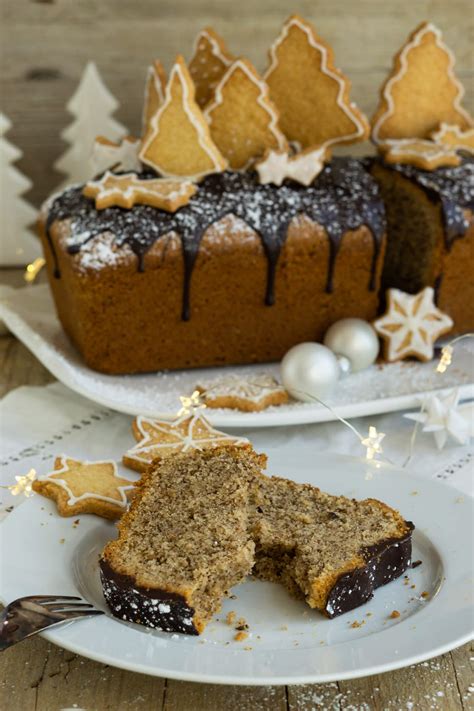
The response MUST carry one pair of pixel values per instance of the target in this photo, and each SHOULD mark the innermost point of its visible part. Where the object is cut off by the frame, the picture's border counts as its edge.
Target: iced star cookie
(310, 93)
(242, 118)
(423, 154)
(453, 137)
(86, 488)
(421, 91)
(302, 167)
(210, 61)
(248, 394)
(179, 143)
(411, 325)
(129, 190)
(157, 439)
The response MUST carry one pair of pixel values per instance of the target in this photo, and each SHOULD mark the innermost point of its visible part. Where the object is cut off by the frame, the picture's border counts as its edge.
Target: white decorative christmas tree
(18, 246)
(92, 105)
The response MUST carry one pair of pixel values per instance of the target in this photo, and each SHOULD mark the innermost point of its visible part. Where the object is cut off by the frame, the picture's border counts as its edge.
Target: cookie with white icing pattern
(209, 63)
(158, 439)
(251, 393)
(242, 118)
(310, 93)
(80, 487)
(421, 91)
(179, 143)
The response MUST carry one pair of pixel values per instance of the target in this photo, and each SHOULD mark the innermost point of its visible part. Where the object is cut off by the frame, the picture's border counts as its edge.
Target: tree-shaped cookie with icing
(209, 63)
(179, 143)
(310, 93)
(422, 90)
(154, 94)
(242, 118)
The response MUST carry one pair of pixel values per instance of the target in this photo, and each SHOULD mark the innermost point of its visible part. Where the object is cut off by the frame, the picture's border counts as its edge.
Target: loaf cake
(227, 234)
(240, 274)
(202, 521)
(430, 234)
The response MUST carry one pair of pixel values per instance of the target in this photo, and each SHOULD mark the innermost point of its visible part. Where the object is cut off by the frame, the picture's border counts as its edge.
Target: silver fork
(29, 615)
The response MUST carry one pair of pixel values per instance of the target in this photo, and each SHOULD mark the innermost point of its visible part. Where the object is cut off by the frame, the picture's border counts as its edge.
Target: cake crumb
(248, 649)
(369, 614)
(413, 587)
(425, 594)
(241, 625)
(394, 614)
(62, 540)
(284, 628)
(357, 624)
(240, 636)
(230, 617)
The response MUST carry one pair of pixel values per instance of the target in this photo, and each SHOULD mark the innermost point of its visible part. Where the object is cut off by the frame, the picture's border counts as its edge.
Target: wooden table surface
(38, 676)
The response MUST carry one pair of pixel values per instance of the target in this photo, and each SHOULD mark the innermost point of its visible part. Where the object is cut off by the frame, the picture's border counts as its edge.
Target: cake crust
(294, 259)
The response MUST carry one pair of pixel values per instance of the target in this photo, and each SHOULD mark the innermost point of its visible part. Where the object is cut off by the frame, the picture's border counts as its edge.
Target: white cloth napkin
(39, 423)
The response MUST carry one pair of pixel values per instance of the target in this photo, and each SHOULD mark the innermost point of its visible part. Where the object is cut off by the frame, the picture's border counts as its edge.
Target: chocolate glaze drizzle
(167, 611)
(453, 188)
(343, 197)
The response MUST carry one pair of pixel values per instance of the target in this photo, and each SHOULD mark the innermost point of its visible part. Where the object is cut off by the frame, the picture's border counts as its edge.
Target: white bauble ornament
(356, 340)
(309, 370)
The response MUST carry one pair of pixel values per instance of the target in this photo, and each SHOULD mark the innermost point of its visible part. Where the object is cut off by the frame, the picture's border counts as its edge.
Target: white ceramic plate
(289, 643)
(31, 316)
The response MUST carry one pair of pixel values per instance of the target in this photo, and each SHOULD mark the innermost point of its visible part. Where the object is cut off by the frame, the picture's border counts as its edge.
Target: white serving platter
(30, 314)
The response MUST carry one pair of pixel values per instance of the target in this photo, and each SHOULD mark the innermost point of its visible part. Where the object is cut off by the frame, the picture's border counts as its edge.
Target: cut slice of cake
(185, 540)
(331, 550)
(201, 521)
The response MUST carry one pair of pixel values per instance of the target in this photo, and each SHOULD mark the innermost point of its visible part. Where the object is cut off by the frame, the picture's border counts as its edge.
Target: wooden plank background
(46, 43)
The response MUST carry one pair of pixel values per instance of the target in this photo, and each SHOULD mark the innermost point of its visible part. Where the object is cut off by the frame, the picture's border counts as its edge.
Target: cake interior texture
(202, 521)
(186, 537)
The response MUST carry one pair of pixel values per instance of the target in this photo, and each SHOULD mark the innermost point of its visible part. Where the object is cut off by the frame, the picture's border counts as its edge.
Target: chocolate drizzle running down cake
(430, 234)
(342, 198)
(240, 274)
(202, 521)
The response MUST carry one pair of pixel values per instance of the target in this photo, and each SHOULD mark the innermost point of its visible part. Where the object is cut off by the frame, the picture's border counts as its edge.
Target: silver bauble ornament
(309, 369)
(356, 340)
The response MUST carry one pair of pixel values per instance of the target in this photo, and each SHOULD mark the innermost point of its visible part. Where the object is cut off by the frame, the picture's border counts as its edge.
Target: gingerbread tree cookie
(159, 438)
(421, 91)
(85, 487)
(179, 142)
(453, 137)
(242, 118)
(311, 95)
(154, 94)
(210, 61)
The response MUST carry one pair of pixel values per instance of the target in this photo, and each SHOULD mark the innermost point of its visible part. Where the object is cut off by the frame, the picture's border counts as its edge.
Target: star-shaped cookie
(85, 487)
(251, 393)
(128, 190)
(159, 438)
(411, 325)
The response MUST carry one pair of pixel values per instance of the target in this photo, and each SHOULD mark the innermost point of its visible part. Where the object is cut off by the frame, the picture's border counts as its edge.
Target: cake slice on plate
(185, 540)
(331, 550)
(202, 521)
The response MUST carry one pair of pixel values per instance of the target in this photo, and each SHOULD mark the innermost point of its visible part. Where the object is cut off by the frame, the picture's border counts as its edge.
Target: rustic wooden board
(47, 43)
